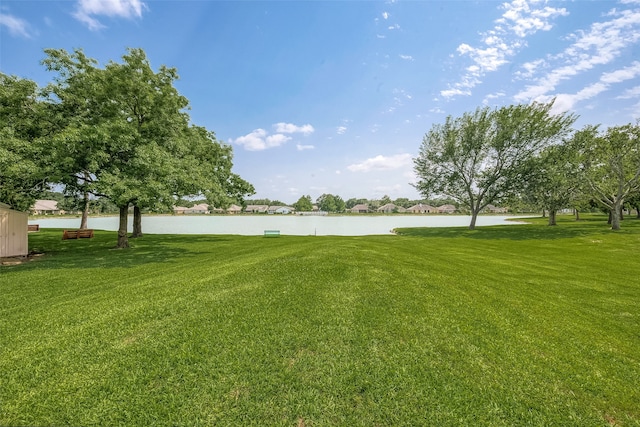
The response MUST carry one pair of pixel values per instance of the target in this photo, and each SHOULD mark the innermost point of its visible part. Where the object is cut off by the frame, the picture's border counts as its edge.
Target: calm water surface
(295, 225)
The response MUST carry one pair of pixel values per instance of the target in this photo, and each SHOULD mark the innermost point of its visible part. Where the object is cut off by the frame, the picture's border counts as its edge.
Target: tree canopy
(480, 158)
(121, 132)
(610, 161)
(25, 169)
(330, 203)
(303, 204)
(554, 179)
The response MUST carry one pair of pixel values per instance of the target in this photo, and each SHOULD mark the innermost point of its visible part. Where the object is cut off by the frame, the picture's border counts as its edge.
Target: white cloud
(631, 93)
(388, 189)
(406, 57)
(411, 175)
(385, 15)
(276, 140)
(565, 102)
(449, 93)
(487, 99)
(521, 18)
(86, 10)
(524, 21)
(341, 130)
(258, 140)
(381, 163)
(291, 128)
(600, 45)
(401, 93)
(618, 76)
(530, 68)
(16, 26)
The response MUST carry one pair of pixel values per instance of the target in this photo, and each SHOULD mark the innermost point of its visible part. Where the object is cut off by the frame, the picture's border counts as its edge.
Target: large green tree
(25, 169)
(81, 132)
(611, 164)
(167, 157)
(479, 158)
(135, 144)
(303, 204)
(554, 181)
(330, 203)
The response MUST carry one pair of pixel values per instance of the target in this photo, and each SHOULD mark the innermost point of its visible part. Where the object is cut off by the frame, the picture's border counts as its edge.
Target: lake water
(295, 225)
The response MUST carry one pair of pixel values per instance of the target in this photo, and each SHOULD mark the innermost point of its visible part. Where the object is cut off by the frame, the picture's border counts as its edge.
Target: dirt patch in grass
(17, 260)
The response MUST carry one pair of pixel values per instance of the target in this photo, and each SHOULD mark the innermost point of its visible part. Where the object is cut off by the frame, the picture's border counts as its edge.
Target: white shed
(14, 240)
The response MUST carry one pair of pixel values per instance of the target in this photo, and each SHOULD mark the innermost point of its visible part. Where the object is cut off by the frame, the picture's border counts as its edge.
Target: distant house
(421, 209)
(201, 208)
(179, 210)
(496, 209)
(234, 209)
(391, 208)
(256, 208)
(448, 209)
(46, 207)
(283, 210)
(13, 232)
(361, 208)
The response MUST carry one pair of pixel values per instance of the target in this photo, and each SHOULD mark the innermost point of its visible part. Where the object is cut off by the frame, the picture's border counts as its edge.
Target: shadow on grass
(101, 251)
(535, 229)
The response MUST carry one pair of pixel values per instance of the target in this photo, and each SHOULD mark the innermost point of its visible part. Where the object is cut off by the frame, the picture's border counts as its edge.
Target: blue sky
(335, 96)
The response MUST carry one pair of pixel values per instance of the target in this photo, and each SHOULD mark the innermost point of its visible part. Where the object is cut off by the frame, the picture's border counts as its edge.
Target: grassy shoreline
(527, 325)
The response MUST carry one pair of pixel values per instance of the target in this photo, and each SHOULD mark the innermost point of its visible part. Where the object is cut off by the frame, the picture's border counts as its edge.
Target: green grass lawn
(509, 325)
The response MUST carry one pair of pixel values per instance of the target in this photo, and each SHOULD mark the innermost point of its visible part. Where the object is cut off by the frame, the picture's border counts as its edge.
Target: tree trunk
(638, 210)
(577, 214)
(474, 217)
(615, 217)
(544, 213)
(123, 241)
(85, 212)
(552, 217)
(137, 222)
(609, 221)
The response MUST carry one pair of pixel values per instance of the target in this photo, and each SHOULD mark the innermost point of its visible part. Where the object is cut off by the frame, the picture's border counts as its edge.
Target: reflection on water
(254, 225)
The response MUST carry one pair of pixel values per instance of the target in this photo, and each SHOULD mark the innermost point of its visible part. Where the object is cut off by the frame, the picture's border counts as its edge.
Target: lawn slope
(509, 325)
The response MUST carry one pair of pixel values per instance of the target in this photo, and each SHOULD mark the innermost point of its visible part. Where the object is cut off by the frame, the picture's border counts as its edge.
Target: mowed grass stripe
(437, 326)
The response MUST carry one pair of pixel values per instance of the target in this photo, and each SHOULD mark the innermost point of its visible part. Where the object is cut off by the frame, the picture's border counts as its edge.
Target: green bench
(271, 233)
